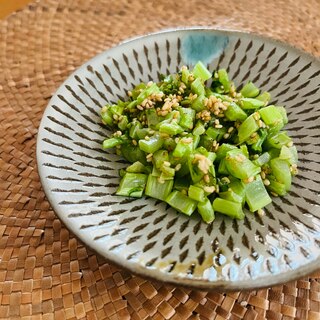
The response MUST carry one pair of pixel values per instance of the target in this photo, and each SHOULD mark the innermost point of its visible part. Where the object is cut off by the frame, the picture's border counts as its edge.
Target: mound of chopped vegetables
(202, 147)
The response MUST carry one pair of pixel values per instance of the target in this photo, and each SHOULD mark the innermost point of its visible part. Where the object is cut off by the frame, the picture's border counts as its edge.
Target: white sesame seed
(230, 129)
(226, 135)
(266, 182)
(161, 180)
(261, 213)
(209, 189)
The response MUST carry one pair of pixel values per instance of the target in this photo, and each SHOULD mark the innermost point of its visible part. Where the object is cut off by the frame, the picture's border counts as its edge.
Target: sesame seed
(139, 107)
(219, 126)
(166, 163)
(274, 194)
(177, 167)
(186, 140)
(266, 182)
(230, 129)
(134, 142)
(226, 135)
(226, 103)
(250, 179)
(290, 144)
(115, 117)
(147, 138)
(261, 212)
(263, 175)
(209, 189)
(129, 93)
(206, 178)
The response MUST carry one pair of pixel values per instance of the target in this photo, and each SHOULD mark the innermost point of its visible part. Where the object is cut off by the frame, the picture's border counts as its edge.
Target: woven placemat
(45, 273)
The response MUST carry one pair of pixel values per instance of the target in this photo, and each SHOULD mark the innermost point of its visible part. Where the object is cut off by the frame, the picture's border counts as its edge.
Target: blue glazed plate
(144, 235)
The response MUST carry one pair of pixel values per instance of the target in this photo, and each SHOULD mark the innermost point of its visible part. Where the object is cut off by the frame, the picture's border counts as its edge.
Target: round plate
(144, 235)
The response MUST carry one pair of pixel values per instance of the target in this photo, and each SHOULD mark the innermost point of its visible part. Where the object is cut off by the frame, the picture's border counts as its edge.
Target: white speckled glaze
(144, 235)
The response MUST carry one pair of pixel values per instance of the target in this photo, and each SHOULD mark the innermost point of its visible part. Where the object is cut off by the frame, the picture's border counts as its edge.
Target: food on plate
(196, 142)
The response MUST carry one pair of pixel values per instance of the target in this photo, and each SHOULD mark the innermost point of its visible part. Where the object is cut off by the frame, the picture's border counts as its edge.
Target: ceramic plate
(144, 235)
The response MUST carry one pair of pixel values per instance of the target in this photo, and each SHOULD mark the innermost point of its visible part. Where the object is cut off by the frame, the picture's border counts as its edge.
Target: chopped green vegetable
(132, 184)
(181, 202)
(158, 190)
(257, 196)
(249, 90)
(206, 211)
(229, 208)
(210, 149)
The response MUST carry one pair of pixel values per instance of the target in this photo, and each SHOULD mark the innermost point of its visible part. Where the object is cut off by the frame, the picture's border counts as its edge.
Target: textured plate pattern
(146, 236)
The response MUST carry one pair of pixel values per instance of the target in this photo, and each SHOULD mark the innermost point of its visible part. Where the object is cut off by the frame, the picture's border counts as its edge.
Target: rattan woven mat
(45, 273)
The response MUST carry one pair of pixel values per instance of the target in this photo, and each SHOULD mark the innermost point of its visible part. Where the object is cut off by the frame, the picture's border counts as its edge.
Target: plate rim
(155, 274)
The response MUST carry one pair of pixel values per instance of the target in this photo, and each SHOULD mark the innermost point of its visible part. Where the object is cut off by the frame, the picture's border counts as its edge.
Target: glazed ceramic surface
(144, 235)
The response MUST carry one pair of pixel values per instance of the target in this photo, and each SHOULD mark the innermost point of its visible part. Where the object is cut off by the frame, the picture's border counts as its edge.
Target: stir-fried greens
(202, 147)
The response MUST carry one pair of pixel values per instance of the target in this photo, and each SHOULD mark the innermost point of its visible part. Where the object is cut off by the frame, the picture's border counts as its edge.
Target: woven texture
(44, 271)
